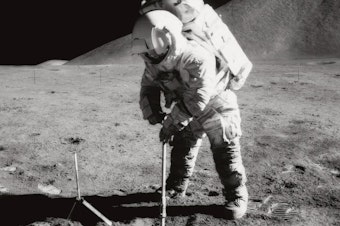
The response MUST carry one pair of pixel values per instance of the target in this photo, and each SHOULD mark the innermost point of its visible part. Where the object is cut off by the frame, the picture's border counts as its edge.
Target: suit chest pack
(170, 81)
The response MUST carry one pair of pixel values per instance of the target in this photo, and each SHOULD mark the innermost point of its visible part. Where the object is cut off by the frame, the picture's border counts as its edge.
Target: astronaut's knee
(227, 146)
(234, 180)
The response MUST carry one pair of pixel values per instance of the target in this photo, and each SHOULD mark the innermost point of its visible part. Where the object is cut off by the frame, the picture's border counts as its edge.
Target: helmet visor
(160, 40)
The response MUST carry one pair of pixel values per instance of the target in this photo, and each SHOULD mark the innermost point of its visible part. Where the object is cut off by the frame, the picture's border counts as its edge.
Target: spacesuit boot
(232, 174)
(236, 202)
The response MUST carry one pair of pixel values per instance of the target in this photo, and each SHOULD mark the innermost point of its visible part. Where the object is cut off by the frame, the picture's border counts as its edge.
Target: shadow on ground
(25, 209)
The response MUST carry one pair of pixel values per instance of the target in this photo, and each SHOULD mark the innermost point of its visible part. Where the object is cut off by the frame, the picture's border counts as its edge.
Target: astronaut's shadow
(26, 209)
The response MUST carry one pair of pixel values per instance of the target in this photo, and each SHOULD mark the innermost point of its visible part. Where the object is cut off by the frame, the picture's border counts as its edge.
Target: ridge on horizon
(266, 29)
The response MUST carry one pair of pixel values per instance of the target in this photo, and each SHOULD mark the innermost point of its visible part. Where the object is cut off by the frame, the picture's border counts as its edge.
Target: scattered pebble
(293, 168)
(9, 169)
(288, 169)
(74, 140)
(256, 85)
(34, 134)
(3, 189)
(49, 189)
(154, 186)
(118, 192)
(335, 172)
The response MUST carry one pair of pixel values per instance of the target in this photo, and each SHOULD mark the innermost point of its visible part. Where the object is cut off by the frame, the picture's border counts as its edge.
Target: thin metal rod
(95, 211)
(70, 214)
(163, 214)
(77, 176)
(83, 201)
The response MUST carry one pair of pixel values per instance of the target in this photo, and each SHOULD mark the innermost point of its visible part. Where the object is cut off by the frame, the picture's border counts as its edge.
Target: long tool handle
(163, 214)
(77, 176)
(95, 211)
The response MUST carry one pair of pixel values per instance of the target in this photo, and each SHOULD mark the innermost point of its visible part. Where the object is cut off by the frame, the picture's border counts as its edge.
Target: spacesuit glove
(156, 118)
(166, 134)
(168, 130)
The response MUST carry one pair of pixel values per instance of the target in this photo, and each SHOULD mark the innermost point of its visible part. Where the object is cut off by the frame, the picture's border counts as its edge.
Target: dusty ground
(290, 148)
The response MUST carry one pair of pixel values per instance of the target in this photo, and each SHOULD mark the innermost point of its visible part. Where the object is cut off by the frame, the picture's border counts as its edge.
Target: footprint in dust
(282, 211)
(272, 209)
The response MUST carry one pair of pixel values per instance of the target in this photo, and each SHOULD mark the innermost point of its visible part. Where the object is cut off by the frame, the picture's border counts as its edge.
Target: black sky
(33, 32)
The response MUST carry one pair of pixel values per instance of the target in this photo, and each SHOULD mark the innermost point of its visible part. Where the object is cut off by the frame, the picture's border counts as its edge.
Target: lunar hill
(266, 29)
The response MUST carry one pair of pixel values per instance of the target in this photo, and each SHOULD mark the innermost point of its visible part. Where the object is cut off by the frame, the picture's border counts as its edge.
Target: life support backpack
(211, 32)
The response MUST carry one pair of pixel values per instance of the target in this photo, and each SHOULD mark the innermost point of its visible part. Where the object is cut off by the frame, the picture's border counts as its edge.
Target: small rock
(74, 140)
(34, 134)
(118, 192)
(335, 172)
(49, 189)
(256, 85)
(288, 169)
(154, 186)
(3, 189)
(9, 169)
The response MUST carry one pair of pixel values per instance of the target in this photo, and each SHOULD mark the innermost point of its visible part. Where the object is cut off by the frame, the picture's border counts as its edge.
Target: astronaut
(201, 104)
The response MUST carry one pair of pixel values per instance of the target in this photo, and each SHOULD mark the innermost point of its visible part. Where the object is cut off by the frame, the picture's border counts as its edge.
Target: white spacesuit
(186, 73)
